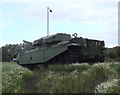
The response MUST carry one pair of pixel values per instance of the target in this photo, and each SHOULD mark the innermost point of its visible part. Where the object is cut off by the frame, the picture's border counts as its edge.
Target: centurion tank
(62, 48)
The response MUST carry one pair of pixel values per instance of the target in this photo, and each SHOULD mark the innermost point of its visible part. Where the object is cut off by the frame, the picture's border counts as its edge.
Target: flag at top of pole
(48, 10)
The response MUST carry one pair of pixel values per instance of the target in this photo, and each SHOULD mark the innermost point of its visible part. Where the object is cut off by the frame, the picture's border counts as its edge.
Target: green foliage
(82, 67)
(14, 78)
(116, 67)
(109, 59)
(67, 84)
(67, 67)
(68, 78)
(83, 78)
(44, 85)
(56, 67)
(112, 54)
(111, 86)
(8, 52)
(117, 50)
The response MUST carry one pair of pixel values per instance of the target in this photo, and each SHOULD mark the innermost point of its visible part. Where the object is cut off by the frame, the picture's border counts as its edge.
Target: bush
(109, 59)
(111, 86)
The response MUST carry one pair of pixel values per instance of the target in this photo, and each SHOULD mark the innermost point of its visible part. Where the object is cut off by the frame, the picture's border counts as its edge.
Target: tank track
(69, 56)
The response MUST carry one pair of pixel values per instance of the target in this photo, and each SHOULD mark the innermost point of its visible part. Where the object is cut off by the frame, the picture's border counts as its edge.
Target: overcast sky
(26, 19)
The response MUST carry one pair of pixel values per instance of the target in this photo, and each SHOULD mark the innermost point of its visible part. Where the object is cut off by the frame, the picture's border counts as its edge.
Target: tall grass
(14, 78)
(82, 78)
(68, 78)
(110, 86)
(65, 67)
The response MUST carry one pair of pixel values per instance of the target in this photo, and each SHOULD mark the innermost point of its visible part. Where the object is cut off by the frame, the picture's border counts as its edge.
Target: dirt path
(31, 84)
(31, 87)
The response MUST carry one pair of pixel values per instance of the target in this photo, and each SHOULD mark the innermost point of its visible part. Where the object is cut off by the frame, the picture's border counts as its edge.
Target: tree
(117, 50)
(112, 54)
(10, 51)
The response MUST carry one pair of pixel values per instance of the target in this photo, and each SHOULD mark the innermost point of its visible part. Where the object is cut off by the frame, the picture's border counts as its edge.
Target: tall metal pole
(47, 21)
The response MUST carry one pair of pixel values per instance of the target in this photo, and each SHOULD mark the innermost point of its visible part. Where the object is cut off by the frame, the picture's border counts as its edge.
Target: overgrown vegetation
(68, 78)
(112, 54)
(111, 86)
(14, 78)
(81, 78)
(10, 51)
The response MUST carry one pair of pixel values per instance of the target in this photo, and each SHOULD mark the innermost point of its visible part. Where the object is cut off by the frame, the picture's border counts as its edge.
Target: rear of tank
(93, 51)
(88, 50)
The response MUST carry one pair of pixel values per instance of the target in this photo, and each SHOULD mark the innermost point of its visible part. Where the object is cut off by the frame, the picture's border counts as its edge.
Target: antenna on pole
(48, 10)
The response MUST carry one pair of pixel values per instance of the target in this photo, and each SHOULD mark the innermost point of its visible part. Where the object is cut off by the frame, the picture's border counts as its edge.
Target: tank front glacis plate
(40, 56)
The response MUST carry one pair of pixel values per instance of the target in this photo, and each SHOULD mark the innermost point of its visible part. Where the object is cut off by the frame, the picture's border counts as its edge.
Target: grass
(111, 86)
(81, 78)
(68, 78)
(14, 78)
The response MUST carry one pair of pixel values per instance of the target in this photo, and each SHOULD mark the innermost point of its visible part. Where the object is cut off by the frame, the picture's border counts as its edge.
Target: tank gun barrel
(27, 42)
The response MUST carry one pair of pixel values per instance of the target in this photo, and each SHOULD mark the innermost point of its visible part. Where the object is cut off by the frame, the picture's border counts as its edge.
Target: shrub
(109, 59)
(111, 86)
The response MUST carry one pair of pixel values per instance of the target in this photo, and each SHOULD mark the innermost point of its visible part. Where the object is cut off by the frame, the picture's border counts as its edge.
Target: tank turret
(51, 40)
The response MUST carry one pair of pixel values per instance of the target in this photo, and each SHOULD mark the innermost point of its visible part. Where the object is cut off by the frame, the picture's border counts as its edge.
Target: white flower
(105, 86)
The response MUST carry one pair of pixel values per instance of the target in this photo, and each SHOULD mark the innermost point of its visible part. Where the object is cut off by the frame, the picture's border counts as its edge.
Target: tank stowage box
(62, 48)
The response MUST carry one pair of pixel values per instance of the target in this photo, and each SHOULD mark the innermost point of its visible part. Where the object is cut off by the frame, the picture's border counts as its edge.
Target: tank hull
(63, 53)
